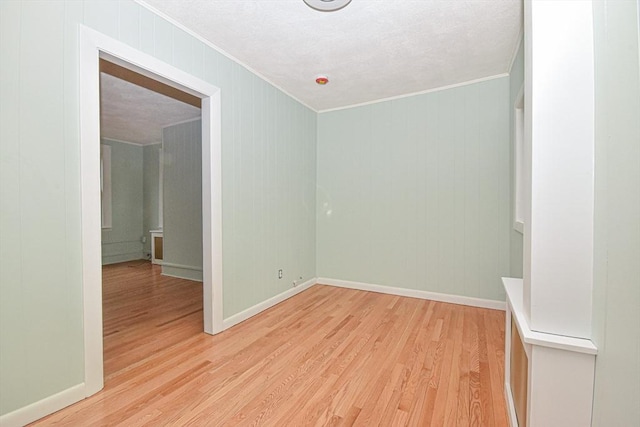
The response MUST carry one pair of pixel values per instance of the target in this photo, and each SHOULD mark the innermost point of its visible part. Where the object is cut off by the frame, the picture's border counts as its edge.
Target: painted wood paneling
(122, 241)
(40, 185)
(616, 291)
(103, 16)
(414, 193)
(150, 192)
(129, 16)
(163, 40)
(269, 159)
(268, 191)
(37, 280)
(12, 299)
(146, 28)
(182, 196)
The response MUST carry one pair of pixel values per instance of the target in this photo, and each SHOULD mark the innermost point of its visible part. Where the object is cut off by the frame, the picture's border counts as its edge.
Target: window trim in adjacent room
(518, 157)
(105, 187)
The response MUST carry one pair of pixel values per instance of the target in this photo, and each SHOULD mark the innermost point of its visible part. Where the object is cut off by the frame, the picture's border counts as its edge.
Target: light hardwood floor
(328, 356)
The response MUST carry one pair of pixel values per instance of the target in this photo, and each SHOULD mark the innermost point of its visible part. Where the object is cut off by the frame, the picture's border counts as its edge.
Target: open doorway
(93, 47)
(149, 302)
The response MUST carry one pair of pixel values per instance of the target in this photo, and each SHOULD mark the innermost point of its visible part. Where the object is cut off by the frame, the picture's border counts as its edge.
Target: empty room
(408, 212)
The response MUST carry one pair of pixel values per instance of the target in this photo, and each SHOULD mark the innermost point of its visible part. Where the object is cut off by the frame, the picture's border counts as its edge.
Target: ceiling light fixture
(327, 5)
(322, 80)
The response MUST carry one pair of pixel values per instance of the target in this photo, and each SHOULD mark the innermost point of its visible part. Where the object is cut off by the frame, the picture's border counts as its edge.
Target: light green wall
(135, 197)
(122, 242)
(516, 79)
(268, 196)
(414, 193)
(150, 192)
(41, 349)
(616, 295)
(182, 200)
(268, 182)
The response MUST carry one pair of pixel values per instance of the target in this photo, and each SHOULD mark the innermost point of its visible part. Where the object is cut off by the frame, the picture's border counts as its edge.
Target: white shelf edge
(513, 288)
(518, 226)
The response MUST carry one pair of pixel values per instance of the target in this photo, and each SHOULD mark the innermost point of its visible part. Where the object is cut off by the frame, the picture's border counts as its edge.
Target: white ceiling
(370, 50)
(134, 114)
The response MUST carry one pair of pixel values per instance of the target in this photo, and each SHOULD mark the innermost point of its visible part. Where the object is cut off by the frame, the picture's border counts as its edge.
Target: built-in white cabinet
(549, 355)
(548, 378)
(157, 247)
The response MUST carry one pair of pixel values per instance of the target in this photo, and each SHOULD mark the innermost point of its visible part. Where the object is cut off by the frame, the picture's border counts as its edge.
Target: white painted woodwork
(516, 88)
(93, 46)
(91, 238)
(513, 288)
(414, 293)
(50, 404)
(561, 370)
(559, 144)
(560, 388)
(260, 307)
(155, 234)
(518, 163)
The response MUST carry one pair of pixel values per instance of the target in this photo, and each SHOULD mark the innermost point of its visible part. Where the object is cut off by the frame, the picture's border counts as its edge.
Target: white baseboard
(413, 293)
(51, 404)
(118, 258)
(44, 407)
(180, 271)
(252, 311)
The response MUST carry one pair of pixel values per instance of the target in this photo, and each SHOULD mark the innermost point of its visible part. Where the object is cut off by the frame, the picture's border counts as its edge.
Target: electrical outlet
(280, 274)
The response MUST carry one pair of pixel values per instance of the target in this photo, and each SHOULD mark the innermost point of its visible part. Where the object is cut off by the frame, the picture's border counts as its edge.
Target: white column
(559, 137)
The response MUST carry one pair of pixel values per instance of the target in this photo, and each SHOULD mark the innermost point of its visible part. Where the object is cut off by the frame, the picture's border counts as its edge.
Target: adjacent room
(320, 212)
(151, 285)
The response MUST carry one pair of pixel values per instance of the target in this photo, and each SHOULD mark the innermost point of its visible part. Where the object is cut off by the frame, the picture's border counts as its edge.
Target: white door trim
(94, 45)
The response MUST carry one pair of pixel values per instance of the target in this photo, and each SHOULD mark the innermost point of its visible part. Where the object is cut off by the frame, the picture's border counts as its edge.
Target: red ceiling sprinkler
(322, 80)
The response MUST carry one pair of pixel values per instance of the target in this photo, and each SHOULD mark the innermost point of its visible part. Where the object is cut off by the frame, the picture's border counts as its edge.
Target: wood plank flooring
(326, 357)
